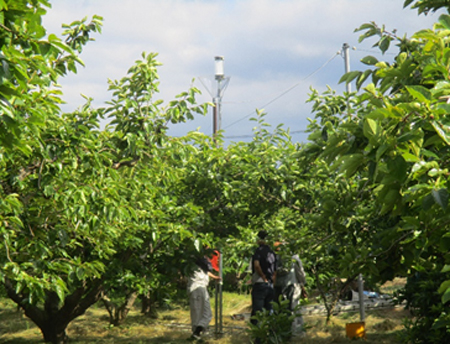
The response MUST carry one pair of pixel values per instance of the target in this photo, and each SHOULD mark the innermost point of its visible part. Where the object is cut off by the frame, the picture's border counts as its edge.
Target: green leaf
(384, 43)
(381, 150)
(410, 157)
(428, 202)
(420, 93)
(59, 288)
(369, 60)
(81, 272)
(446, 295)
(407, 3)
(444, 19)
(363, 77)
(351, 163)
(348, 77)
(441, 198)
(371, 127)
(197, 244)
(442, 131)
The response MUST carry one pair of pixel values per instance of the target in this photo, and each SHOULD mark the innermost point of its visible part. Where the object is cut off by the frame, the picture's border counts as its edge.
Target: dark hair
(262, 235)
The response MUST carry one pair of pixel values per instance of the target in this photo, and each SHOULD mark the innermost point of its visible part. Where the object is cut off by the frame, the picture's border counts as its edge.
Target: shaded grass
(173, 326)
(392, 286)
(382, 326)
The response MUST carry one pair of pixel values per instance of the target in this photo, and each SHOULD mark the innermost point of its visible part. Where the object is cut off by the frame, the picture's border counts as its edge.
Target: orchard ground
(172, 325)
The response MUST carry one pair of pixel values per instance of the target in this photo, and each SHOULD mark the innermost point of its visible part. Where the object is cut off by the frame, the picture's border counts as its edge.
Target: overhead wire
(251, 135)
(286, 91)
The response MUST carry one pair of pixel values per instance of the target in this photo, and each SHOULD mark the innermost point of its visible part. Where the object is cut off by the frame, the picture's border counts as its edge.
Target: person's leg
(289, 295)
(203, 314)
(258, 296)
(297, 325)
(207, 313)
(196, 308)
(269, 296)
(262, 298)
(278, 292)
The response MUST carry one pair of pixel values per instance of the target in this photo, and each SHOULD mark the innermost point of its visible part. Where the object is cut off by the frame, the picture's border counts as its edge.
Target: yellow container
(356, 330)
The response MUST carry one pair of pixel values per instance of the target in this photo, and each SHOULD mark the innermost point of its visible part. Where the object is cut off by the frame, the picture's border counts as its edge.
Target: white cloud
(268, 45)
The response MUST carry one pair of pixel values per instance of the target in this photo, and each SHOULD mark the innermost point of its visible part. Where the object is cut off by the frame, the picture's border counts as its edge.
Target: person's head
(262, 235)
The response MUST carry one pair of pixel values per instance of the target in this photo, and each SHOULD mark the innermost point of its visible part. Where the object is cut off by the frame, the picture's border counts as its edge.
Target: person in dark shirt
(263, 276)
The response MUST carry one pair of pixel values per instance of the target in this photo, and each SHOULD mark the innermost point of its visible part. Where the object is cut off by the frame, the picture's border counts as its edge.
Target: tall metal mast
(345, 50)
(221, 84)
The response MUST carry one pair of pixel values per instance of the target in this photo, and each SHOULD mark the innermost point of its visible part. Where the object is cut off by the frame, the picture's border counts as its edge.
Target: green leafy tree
(80, 207)
(426, 6)
(395, 136)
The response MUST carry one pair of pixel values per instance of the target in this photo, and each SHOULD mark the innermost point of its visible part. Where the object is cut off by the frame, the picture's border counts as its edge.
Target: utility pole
(345, 50)
(221, 84)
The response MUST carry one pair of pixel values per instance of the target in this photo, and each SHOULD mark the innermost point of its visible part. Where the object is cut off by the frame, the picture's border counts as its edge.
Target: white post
(361, 298)
(218, 300)
(219, 76)
(221, 293)
(222, 83)
(345, 49)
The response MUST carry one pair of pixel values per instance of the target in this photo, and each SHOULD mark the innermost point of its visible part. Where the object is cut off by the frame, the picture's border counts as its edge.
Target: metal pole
(218, 309)
(221, 292)
(218, 76)
(219, 103)
(361, 298)
(215, 115)
(345, 49)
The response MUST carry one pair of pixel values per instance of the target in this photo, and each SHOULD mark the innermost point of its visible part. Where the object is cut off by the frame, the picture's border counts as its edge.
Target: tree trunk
(329, 304)
(118, 314)
(335, 290)
(148, 306)
(54, 318)
(54, 335)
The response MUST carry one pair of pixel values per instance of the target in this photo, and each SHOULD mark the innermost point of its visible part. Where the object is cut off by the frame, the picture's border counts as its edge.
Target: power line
(287, 91)
(251, 135)
(373, 51)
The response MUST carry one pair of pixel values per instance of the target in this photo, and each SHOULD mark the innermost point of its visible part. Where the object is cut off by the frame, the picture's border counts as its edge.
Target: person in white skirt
(197, 288)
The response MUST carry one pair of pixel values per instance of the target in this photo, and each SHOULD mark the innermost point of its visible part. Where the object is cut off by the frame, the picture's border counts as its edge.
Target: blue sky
(274, 51)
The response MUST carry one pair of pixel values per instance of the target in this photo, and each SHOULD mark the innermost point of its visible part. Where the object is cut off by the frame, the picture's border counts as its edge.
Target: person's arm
(299, 271)
(259, 271)
(210, 274)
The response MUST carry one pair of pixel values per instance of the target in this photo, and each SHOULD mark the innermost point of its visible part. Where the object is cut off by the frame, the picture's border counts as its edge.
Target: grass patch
(392, 286)
(173, 326)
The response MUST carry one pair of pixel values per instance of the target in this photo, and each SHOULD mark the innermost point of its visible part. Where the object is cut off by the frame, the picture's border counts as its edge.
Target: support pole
(218, 309)
(215, 117)
(361, 298)
(222, 83)
(219, 77)
(345, 49)
(221, 293)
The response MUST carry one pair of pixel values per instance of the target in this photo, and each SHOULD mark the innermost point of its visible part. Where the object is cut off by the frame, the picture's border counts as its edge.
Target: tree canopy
(86, 212)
